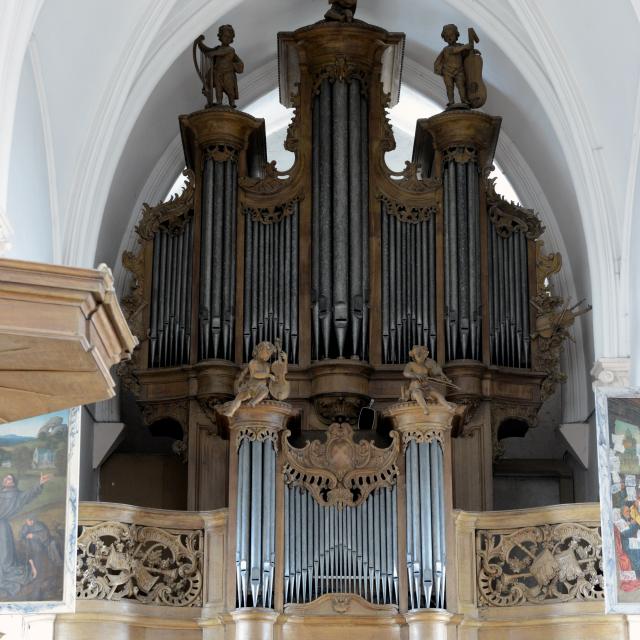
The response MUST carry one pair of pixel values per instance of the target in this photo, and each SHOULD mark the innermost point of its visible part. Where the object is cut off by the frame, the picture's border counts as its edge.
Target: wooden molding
(61, 330)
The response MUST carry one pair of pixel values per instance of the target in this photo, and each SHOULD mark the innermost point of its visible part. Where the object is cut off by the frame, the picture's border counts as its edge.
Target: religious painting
(618, 418)
(38, 512)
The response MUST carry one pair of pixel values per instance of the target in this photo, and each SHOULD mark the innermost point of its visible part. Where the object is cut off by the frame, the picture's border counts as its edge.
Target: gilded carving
(171, 215)
(460, 155)
(340, 472)
(535, 565)
(118, 561)
(509, 217)
(554, 318)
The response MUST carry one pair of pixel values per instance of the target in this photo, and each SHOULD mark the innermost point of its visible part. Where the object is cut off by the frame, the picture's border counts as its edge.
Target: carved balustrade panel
(149, 565)
(539, 565)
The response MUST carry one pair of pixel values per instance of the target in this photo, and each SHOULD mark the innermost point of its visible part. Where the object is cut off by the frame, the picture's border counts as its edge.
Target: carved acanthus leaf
(341, 70)
(221, 153)
(460, 155)
(539, 565)
(275, 213)
(118, 561)
(171, 215)
(509, 217)
(407, 213)
(340, 472)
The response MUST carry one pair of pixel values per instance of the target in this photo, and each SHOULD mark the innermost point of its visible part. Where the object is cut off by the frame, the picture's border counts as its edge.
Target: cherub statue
(341, 10)
(460, 65)
(259, 379)
(423, 372)
(218, 67)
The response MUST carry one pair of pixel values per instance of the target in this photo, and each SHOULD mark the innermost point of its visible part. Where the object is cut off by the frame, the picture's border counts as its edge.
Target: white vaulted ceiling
(106, 81)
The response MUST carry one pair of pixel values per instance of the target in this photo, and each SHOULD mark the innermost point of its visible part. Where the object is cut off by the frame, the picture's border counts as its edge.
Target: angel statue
(260, 379)
(423, 371)
(341, 10)
(460, 65)
(218, 67)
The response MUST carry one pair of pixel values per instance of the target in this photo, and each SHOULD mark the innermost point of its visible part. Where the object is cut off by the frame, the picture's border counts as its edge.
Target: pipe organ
(344, 265)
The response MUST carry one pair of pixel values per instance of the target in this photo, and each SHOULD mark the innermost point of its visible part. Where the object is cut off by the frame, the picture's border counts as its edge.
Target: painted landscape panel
(38, 511)
(619, 465)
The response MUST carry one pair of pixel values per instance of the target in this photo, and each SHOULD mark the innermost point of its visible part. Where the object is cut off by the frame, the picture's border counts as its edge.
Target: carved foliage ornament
(461, 155)
(340, 472)
(509, 217)
(536, 565)
(276, 213)
(343, 71)
(118, 561)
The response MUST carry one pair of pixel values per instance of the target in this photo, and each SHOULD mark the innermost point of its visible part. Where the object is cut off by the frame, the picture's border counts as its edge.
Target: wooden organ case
(348, 265)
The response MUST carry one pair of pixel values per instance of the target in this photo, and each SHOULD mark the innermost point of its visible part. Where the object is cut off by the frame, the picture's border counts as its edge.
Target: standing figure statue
(218, 67)
(259, 379)
(341, 10)
(460, 65)
(423, 372)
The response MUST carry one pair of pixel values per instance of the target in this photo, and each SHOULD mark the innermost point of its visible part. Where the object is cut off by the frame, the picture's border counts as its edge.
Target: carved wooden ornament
(340, 472)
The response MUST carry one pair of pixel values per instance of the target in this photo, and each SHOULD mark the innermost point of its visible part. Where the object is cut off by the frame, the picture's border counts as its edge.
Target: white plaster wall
(28, 192)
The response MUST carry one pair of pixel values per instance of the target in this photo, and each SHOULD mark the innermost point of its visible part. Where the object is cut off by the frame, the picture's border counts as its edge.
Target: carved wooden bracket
(340, 472)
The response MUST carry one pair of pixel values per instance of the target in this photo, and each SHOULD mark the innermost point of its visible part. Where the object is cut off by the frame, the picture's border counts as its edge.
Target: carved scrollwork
(341, 70)
(221, 153)
(340, 472)
(133, 303)
(118, 561)
(292, 139)
(339, 407)
(509, 217)
(420, 436)
(407, 213)
(461, 155)
(275, 213)
(172, 215)
(257, 433)
(534, 565)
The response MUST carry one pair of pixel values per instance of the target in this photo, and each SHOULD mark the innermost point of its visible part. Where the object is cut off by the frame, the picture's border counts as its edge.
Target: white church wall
(28, 194)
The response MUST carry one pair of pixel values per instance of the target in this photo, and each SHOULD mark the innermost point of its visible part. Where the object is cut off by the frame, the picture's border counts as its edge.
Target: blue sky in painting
(29, 427)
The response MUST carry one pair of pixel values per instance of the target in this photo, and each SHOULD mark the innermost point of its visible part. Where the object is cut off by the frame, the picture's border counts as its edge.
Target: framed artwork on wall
(618, 421)
(39, 464)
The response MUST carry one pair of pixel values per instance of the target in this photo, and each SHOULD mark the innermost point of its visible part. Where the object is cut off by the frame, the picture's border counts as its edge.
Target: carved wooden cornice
(340, 472)
(509, 217)
(260, 423)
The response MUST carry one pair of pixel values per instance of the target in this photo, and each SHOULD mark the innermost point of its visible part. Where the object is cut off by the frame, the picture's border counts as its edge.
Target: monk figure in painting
(13, 574)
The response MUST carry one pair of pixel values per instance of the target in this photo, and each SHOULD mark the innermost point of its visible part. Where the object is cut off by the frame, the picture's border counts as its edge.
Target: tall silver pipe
(218, 242)
(394, 532)
(287, 542)
(162, 296)
(425, 520)
(453, 263)
(294, 285)
(409, 527)
(385, 283)
(364, 195)
(315, 229)
(524, 286)
(244, 469)
(326, 222)
(518, 299)
(155, 282)
(205, 260)
(474, 262)
(492, 298)
(340, 213)
(371, 530)
(248, 276)
(240, 524)
(415, 520)
(463, 258)
(443, 549)
(298, 554)
(187, 337)
(436, 515)
(392, 288)
(304, 543)
(230, 311)
(356, 245)
(228, 215)
(432, 286)
(256, 520)
(261, 280)
(282, 292)
(179, 304)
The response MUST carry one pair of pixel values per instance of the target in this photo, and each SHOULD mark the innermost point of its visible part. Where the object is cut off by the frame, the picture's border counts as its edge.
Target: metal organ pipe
(509, 326)
(271, 283)
(408, 303)
(340, 278)
(169, 325)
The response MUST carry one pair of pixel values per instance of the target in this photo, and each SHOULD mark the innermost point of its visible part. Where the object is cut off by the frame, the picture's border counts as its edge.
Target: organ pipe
(340, 268)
